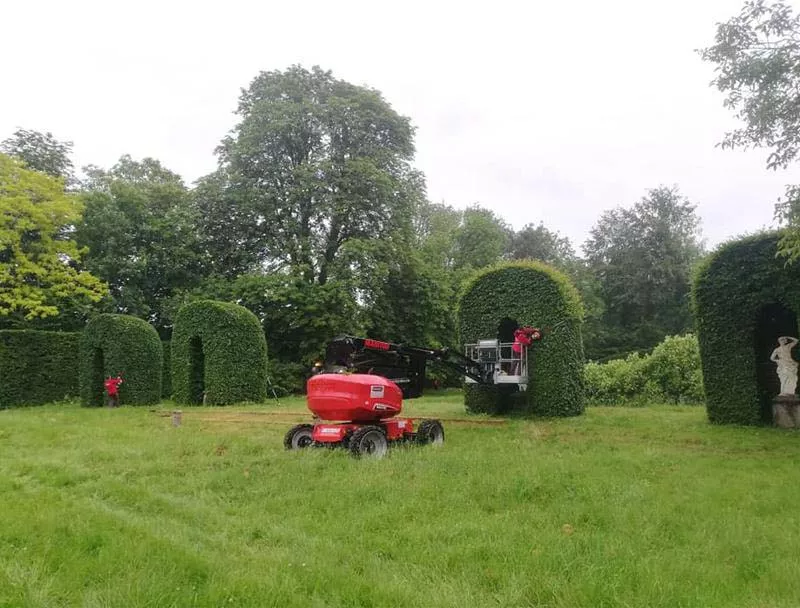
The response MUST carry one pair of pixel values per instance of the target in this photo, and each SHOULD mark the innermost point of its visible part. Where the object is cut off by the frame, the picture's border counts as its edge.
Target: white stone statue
(787, 367)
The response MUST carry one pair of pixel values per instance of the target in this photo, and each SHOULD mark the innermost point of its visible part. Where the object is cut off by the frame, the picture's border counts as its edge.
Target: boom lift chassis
(356, 396)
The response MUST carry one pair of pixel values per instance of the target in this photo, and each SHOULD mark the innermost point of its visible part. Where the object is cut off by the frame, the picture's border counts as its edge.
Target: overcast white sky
(539, 110)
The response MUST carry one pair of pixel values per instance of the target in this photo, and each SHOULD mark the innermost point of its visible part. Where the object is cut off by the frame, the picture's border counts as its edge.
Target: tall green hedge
(531, 293)
(37, 367)
(218, 349)
(732, 289)
(125, 345)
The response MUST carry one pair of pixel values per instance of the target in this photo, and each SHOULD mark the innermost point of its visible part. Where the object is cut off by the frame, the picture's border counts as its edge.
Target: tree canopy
(539, 243)
(40, 263)
(756, 55)
(642, 258)
(138, 229)
(41, 152)
(318, 162)
(317, 221)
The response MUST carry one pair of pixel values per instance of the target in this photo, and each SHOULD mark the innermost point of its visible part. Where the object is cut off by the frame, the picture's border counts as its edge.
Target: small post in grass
(176, 418)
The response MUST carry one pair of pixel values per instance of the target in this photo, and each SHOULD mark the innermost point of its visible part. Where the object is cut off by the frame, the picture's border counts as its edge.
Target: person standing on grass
(112, 388)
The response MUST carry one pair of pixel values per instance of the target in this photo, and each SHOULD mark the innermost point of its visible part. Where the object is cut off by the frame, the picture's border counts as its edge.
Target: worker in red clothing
(523, 336)
(112, 388)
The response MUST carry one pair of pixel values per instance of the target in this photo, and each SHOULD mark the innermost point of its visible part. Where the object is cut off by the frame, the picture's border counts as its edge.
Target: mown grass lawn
(620, 507)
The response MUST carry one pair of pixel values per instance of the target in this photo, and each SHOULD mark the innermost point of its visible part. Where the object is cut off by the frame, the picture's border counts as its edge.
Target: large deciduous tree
(481, 239)
(229, 228)
(40, 264)
(460, 240)
(138, 227)
(405, 298)
(450, 245)
(757, 61)
(435, 229)
(317, 162)
(642, 259)
(41, 152)
(539, 243)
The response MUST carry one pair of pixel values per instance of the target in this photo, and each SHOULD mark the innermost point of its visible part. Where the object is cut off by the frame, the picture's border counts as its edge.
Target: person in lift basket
(112, 388)
(523, 336)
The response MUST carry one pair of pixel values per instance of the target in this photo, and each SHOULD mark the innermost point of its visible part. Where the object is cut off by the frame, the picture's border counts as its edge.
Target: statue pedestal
(786, 411)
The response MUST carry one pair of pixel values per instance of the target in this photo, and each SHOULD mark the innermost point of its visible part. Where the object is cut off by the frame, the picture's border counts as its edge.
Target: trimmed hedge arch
(112, 344)
(527, 293)
(219, 352)
(744, 297)
(37, 367)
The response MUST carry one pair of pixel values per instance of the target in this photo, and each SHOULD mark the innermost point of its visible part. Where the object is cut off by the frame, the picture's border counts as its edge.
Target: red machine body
(355, 400)
(395, 430)
(353, 397)
(361, 408)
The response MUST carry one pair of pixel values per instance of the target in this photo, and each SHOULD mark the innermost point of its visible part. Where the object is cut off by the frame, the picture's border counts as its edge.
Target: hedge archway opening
(505, 335)
(198, 370)
(125, 345)
(504, 297)
(166, 371)
(745, 296)
(219, 354)
(506, 329)
(774, 320)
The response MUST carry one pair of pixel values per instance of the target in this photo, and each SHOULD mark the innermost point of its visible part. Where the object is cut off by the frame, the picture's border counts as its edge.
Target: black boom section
(404, 365)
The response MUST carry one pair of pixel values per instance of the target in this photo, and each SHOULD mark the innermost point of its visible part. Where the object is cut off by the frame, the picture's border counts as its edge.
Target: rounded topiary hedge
(219, 354)
(530, 293)
(37, 366)
(732, 290)
(120, 344)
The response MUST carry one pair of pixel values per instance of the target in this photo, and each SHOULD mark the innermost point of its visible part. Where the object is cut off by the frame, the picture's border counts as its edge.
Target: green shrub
(124, 345)
(287, 378)
(732, 290)
(166, 371)
(670, 373)
(530, 293)
(617, 382)
(218, 349)
(37, 367)
(675, 371)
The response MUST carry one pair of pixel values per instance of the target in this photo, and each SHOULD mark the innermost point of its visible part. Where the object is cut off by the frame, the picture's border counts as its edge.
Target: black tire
(369, 441)
(299, 437)
(346, 440)
(430, 431)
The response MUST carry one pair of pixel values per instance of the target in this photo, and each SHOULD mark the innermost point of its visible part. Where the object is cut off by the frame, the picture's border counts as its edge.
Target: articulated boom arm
(443, 356)
(403, 364)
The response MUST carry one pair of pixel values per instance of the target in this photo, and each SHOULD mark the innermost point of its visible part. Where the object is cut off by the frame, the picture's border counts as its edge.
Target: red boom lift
(360, 391)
